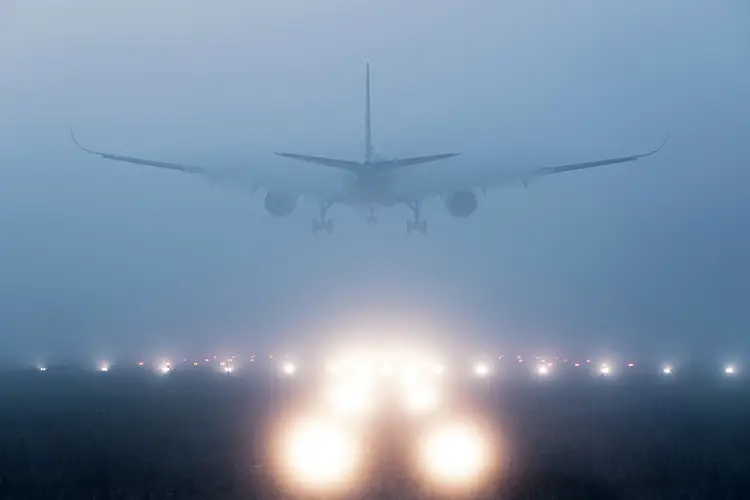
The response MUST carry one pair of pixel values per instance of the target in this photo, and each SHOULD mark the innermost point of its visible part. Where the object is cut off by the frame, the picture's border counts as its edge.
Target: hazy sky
(106, 258)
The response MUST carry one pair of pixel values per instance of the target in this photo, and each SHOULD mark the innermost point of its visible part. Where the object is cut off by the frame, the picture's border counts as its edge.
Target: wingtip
(663, 143)
(75, 141)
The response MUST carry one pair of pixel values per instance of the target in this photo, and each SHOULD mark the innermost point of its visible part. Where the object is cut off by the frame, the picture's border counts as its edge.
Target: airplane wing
(348, 165)
(190, 169)
(320, 191)
(406, 162)
(432, 184)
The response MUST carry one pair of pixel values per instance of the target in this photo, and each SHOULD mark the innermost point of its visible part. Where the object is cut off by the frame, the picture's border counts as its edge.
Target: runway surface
(68, 433)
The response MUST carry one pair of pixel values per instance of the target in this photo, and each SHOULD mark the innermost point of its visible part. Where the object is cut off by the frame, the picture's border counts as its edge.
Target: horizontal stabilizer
(349, 165)
(406, 162)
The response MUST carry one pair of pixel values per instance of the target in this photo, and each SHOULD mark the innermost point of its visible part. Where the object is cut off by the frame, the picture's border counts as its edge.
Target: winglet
(666, 137)
(78, 144)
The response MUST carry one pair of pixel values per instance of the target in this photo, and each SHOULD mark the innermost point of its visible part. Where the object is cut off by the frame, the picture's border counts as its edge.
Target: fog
(100, 258)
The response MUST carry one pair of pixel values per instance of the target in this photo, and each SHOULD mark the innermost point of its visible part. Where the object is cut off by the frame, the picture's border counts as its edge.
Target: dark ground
(67, 434)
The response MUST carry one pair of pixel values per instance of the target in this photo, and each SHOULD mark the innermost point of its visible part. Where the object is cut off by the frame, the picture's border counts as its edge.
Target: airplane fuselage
(369, 188)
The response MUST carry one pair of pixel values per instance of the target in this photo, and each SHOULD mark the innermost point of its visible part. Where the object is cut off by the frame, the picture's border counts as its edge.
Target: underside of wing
(348, 165)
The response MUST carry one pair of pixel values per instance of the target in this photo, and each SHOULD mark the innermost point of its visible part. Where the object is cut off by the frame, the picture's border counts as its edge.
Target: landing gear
(371, 219)
(322, 223)
(418, 224)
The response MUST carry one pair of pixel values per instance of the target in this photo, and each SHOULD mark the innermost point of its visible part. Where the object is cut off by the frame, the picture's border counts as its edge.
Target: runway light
(577, 365)
(730, 370)
(42, 368)
(165, 368)
(318, 454)
(455, 454)
(195, 363)
(542, 370)
(228, 369)
(104, 367)
(631, 365)
(288, 368)
(667, 370)
(140, 363)
(605, 369)
(481, 370)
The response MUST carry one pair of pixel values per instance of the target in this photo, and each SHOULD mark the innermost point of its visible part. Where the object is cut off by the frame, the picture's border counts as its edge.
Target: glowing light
(165, 367)
(631, 365)
(542, 370)
(481, 370)
(42, 368)
(577, 365)
(228, 369)
(288, 368)
(667, 370)
(350, 398)
(422, 399)
(455, 454)
(605, 369)
(195, 363)
(730, 370)
(320, 455)
(104, 367)
(140, 363)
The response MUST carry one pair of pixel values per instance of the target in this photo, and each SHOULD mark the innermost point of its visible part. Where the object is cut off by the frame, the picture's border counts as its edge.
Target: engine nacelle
(279, 203)
(461, 203)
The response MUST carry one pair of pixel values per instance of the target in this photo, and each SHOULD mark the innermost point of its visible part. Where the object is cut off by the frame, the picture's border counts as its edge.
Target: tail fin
(368, 128)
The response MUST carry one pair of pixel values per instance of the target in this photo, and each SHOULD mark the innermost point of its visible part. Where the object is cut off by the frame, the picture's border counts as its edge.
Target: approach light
(319, 454)
(104, 367)
(455, 454)
(730, 370)
(42, 368)
(422, 399)
(667, 370)
(542, 370)
(481, 370)
(605, 369)
(288, 368)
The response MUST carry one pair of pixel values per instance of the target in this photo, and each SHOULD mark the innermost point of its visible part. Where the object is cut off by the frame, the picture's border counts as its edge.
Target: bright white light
(165, 367)
(104, 367)
(320, 455)
(542, 370)
(288, 368)
(228, 369)
(481, 369)
(455, 454)
(730, 370)
(422, 399)
(667, 370)
(605, 369)
(350, 398)
(42, 368)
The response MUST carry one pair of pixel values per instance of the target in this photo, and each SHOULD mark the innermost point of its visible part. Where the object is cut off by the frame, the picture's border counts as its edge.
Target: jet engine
(461, 203)
(279, 203)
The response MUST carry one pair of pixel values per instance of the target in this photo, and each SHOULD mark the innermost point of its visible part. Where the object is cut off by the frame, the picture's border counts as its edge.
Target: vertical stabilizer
(368, 129)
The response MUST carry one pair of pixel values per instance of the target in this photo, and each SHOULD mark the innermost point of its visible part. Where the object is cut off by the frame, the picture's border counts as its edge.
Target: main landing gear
(371, 219)
(322, 223)
(418, 224)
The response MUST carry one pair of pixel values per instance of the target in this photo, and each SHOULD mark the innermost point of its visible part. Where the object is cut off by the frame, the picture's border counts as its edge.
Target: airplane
(373, 182)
